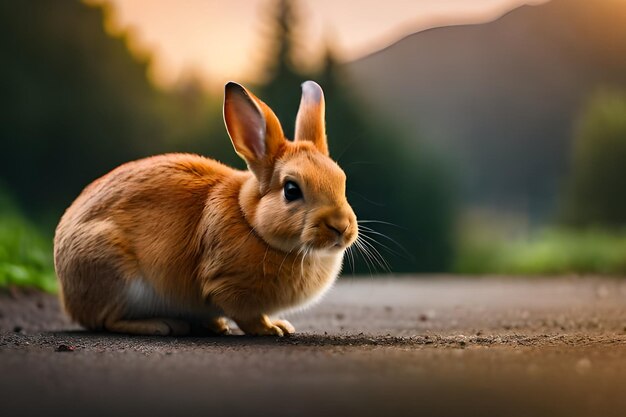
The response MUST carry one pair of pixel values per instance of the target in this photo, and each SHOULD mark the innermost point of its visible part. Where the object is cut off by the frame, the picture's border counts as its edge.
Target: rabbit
(164, 242)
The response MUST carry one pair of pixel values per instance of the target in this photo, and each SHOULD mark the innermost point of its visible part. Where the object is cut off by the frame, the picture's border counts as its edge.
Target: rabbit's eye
(292, 191)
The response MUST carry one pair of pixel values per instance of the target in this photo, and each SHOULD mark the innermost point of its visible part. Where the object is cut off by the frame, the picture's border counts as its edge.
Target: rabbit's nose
(338, 226)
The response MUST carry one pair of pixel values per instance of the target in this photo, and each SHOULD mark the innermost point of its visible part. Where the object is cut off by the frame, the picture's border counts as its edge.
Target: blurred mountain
(501, 98)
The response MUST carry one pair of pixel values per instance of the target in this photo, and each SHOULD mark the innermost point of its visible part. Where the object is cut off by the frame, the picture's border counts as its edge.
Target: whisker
(346, 256)
(365, 230)
(307, 249)
(250, 232)
(264, 256)
(378, 264)
(295, 258)
(362, 163)
(351, 258)
(374, 256)
(346, 150)
(382, 222)
(284, 259)
(387, 248)
(367, 199)
(363, 254)
(377, 255)
(371, 250)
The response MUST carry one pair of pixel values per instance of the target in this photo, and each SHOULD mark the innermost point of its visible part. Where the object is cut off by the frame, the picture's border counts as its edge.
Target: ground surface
(434, 346)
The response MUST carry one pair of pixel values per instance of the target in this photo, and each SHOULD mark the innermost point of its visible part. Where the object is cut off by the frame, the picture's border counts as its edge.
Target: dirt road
(434, 346)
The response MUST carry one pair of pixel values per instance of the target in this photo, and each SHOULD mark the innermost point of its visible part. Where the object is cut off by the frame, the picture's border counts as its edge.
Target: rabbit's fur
(164, 241)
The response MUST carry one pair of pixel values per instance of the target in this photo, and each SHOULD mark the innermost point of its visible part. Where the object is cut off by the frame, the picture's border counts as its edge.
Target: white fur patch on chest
(327, 269)
(143, 301)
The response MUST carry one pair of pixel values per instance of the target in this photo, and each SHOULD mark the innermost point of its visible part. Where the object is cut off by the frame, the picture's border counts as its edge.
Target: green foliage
(75, 103)
(594, 212)
(595, 195)
(559, 251)
(25, 255)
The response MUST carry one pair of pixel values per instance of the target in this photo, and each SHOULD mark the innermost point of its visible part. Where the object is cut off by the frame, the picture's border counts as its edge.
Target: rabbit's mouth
(335, 243)
(337, 246)
(324, 245)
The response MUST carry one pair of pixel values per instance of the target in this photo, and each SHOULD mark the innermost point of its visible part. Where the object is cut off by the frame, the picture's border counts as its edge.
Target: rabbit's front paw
(263, 326)
(285, 326)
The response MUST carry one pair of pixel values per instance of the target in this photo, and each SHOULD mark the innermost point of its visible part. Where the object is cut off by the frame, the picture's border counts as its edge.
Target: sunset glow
(216, 40)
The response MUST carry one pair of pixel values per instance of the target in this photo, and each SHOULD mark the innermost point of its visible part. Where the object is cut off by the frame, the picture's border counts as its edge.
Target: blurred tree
(412, 190)
(595, 194)
(74, 103)
(195, 123)
(282, 85)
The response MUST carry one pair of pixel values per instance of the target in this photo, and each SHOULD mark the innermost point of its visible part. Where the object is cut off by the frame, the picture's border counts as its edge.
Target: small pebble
(533, 369)
(17, 329)
(583, 366)
(13, 293)
(602, 291)
(427, 315)
(64, 348)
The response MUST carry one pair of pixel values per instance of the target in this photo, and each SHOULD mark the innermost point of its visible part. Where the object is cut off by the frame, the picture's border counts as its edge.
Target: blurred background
(481, 136)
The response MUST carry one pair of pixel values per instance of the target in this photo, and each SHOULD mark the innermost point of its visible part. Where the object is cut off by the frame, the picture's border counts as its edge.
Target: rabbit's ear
(252, 126)
(310, 123)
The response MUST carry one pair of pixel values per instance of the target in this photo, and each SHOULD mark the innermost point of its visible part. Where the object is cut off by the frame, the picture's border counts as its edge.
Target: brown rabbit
(163, 241)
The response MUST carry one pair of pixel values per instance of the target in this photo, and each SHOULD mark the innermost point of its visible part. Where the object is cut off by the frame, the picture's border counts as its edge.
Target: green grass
(550, 253)
(25, 253)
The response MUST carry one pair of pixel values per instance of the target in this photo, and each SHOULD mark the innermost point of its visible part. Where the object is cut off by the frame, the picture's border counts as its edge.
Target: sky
(220, 40)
